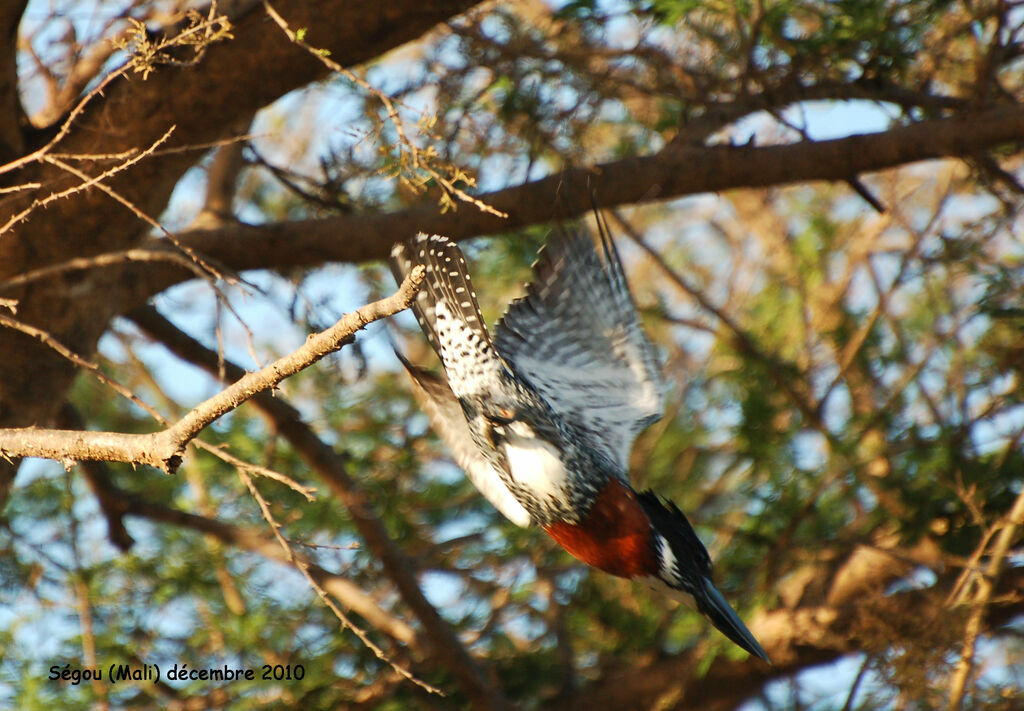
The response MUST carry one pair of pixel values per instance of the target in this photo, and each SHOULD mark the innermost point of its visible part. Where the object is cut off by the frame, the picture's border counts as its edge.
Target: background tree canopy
(818, 204)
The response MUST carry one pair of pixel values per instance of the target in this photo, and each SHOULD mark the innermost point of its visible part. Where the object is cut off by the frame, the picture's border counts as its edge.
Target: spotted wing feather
(576, 338)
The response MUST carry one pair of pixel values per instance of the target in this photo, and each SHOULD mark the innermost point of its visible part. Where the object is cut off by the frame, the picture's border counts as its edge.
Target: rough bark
(12, 117)
(675, 172)
(212, 100)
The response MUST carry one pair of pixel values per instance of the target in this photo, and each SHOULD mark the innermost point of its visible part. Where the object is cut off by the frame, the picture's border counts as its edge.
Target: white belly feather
(534, 463)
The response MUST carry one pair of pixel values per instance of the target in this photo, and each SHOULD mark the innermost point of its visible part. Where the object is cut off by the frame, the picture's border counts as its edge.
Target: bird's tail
(447, 311)
(685, 567)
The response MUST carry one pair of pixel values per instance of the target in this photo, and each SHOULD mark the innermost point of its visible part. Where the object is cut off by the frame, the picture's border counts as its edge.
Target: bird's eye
(502, 416)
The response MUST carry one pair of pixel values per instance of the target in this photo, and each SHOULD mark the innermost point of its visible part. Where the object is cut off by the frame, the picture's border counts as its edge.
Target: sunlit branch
(674, 172)
(331, 467)
(164, 449)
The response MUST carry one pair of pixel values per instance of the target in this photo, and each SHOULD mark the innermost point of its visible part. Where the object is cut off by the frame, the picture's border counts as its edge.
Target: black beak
(711, 603)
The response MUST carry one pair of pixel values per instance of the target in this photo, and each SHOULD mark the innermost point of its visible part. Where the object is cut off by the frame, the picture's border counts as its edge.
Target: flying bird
(542, 417)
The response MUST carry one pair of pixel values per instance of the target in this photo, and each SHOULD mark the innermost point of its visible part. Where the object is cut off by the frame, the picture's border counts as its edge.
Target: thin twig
(49, 341)
(418, 160)
(986, 584)
(88, 181)
(97, 183)
(184, 37)
(65, 127)
(254, 469)
(303, 568)
(158, 253)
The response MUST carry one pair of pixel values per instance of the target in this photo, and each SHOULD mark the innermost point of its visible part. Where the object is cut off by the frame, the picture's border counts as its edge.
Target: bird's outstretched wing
(576, 338)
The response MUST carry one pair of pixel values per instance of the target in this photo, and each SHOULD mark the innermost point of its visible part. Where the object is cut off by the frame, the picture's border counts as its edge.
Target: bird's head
(684, 566)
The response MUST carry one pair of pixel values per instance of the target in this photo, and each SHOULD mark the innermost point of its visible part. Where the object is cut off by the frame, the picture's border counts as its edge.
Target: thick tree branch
(12, 116)
(677, 171)
(796, 638)
(164, 449)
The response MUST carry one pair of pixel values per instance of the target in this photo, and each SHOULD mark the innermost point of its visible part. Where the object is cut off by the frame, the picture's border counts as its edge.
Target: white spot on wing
(468, 374)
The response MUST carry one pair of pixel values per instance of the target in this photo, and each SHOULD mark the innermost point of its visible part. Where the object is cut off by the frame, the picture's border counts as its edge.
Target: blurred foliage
(838, 378)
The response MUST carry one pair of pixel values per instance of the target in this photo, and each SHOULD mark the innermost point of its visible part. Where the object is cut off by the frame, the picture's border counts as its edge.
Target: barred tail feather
(447, 311)
(446, 280)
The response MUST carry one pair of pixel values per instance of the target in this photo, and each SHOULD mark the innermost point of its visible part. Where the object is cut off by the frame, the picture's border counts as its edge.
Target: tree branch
(796, 638)
(220, 184)
(674, 172)
(206, 103)
(164, 449)
(12, 116)
(331, 467)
